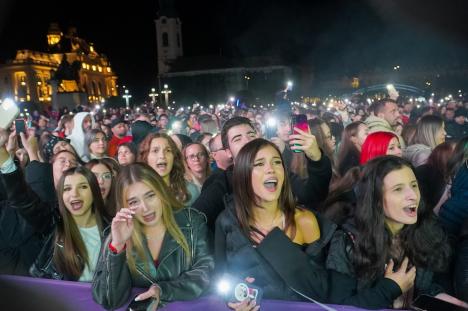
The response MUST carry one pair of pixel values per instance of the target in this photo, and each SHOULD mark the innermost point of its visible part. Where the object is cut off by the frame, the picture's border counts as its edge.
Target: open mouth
(76, 205)
(161, 166)
(271, 184)
(411, 210)
(149, 217)
(103, 190)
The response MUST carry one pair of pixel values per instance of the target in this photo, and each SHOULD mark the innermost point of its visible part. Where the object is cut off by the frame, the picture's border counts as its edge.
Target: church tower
(168, 35)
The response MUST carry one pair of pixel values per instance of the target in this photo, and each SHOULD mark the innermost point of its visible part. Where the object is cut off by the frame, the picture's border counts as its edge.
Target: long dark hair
(460, 156)
(424, 243)
(110, 201)
(244, 196)
(71, 257)
(348, 150)
(177, 182)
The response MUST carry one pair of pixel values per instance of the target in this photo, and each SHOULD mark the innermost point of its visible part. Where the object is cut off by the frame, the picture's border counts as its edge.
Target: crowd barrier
(77, 296)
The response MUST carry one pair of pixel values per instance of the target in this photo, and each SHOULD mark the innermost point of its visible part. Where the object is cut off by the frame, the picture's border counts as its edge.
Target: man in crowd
(384, 118)
(457, 128)
(119, 132)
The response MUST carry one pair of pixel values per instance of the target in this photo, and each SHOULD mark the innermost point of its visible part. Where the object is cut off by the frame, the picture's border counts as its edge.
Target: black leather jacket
(178, 280)
(42, 217)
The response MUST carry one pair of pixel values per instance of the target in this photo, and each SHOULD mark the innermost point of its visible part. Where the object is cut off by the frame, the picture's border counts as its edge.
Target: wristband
(115, 250)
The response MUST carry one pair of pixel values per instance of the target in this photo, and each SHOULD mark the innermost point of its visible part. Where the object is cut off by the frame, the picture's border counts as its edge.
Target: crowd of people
(367, 207)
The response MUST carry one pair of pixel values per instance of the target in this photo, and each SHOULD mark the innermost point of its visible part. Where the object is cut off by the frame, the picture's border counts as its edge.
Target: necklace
(272, 224)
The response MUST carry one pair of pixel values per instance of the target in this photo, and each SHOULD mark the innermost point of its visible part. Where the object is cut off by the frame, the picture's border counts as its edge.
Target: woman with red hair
(379, 144)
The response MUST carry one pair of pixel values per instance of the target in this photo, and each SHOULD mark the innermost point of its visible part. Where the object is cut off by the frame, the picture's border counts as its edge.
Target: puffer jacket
(417, 154)
(275, 263)
(346, 288)
(177, 278)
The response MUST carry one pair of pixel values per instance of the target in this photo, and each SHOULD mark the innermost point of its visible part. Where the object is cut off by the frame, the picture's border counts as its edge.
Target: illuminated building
(70, 66)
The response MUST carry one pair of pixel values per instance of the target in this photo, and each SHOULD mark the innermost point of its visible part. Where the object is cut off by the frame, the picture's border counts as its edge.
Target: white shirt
(92, 241)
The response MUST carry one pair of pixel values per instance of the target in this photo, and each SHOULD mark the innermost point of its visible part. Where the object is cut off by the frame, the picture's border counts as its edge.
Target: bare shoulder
(305, 217)
(307, 226)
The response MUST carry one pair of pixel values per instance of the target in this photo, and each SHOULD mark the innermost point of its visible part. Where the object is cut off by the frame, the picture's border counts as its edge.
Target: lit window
(83, 65)
(94, 67)
(99, 68)
(108, 69)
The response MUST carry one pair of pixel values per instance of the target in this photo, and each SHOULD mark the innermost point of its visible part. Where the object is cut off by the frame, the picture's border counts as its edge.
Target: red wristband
(115, 250)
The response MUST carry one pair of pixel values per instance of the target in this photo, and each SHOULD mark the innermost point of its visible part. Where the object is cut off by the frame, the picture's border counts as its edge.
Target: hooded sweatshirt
(377, 124)
(77, 137)
(417, 154)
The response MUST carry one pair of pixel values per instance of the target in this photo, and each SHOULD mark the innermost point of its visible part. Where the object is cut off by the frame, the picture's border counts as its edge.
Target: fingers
(389, 269)
(404, 265)
(301, 131)
(24, 140)
(249, 279)
(152, 292)
(246, 305)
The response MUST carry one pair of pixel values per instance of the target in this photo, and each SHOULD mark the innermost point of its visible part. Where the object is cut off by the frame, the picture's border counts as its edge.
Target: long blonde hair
(140, 172)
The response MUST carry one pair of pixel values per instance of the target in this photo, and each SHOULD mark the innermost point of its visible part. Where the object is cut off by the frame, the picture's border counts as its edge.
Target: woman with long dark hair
(349, 153)
(154, 243)
(161, 153)
(387, 254)
(263, 223)
(106, 181)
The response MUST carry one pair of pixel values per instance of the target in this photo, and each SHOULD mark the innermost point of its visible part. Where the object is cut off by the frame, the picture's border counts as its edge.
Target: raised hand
(30, 144)
(404, 278)
(246, 305)
(305, 142)
(122, 227)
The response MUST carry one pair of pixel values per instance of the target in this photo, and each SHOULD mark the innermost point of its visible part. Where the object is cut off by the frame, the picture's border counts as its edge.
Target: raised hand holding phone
(306, 142)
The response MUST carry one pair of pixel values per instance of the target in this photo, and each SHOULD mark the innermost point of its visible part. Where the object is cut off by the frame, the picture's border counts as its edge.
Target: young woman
(263, 226)
(96, 143)
(455, 209)
(160, 152)
(326, 142)
(429, 134)
(126, 154)
(106, 181)
(380, 144)
(354, 136)
(197, 163)
(387, 254)
(73, 231)
(154, 242)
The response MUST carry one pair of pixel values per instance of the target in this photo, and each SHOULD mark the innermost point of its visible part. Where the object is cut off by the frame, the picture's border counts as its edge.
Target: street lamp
(127, 98)
(166, 93)
(153, 95)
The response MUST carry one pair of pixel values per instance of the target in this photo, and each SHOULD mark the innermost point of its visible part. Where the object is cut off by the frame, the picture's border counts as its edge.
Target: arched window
(165, 39)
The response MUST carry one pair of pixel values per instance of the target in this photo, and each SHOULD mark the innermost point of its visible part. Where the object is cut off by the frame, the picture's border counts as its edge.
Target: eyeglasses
(220, 149)
(103, 176)
(63, 161)
(198, 156)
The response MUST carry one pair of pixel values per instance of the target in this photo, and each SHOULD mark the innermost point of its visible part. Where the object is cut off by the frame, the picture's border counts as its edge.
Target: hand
(306, 142)
(12, 144)
(153, 292)
(30, 144)
(246, 305)
(452, 300)
(3, 137)
(404, 279)
(279, 143)
(122, 227)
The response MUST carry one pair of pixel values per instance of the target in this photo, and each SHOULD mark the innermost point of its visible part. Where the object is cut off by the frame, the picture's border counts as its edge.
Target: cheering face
(63, 162)
(104, 178)
(197, 160)
(267, 175)
(144, 200)
(160, 156)
(77, 194)
(99, 145)
(394, 147)
(401, 197)
(125, 156)
(87, 123)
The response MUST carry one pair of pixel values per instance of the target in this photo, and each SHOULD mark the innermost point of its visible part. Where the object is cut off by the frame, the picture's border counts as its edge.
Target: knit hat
(141, 129)
(48, 148)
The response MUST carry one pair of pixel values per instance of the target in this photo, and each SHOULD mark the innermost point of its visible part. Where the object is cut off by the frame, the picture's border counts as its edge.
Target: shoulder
(305, 219)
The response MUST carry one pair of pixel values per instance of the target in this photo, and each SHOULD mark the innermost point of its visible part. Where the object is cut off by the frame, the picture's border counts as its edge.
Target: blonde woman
(154, 243)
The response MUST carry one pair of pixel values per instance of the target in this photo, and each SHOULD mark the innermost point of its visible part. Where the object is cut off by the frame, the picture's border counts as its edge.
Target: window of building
(165, 39)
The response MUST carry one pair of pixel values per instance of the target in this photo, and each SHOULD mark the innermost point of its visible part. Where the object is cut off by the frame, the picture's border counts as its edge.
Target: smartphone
(429, 303)
(8, 112)
(271, 128)
(141, 305)
(20, 126)
(299, 121)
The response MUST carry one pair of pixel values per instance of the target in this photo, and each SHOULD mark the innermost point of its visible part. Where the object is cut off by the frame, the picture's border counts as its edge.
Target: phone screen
(299, 121)
(19, 126)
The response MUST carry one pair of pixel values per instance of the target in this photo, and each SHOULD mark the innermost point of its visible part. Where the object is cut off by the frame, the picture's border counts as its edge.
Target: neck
(86, 220)
(394, 227)
(154, 230)
(199, 176)
(267, 213)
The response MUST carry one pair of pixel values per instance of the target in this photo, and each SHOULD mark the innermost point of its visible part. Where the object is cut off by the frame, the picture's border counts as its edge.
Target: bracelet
(115, 250)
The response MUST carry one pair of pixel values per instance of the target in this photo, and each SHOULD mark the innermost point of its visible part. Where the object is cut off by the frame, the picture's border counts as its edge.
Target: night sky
(326, 37)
